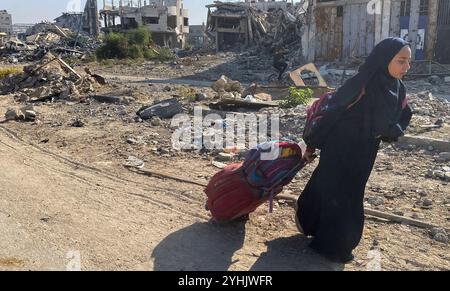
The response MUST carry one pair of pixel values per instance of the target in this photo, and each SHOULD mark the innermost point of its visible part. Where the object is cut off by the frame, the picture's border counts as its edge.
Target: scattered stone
(375, 200)
(132, 141)
(444, 157)
(30, 115)
(12, 114)
(134, 162)
(439, 122)
(440, 235)
(427, 203)
(200, 97)
(225, 84)
(224, 157)
(155, 121)
(436, 80)
(23, 97)
(77, 123)
(163, 151)
(423, 194)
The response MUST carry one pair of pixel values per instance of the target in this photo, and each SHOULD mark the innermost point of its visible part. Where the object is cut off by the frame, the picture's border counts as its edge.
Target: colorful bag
(240, 188)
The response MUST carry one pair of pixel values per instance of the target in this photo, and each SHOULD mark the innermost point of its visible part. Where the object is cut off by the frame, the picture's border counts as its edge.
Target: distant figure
(280, 62)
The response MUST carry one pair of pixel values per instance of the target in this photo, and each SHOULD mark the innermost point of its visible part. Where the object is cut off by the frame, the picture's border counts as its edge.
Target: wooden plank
(378, 24)
(395, 18)
(414, 25)
(339, 42)
(354, 29)
(370, 29)
(430, 41)
(386, 18)
(362, 30)
(332, 40)
(346, 32)
(324, 33)
(292, 200)
(311, 40)
(320, 18)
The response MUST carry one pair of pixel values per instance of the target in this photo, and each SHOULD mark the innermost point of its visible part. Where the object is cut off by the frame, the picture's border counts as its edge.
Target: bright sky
(32, 11)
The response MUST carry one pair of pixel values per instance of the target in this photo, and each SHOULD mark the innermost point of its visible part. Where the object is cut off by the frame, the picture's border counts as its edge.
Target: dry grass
(6, 71)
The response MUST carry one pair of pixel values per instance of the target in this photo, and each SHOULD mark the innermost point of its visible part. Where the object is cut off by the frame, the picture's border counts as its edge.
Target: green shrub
(296, 97)
(134, 44)
(115, 46)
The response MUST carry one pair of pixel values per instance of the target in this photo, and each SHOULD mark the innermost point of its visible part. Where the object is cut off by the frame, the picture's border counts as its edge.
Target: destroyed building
(87, 22)
(5, 22)
(3, 37)
(244, 24)
(342, 30)
(70, 20)
(167, 20)
(91, 21)
(19, 29)
(196, 36)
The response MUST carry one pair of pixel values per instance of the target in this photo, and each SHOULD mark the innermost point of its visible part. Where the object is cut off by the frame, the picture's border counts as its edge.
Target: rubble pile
(46, 36)
(266, 30)
(50, 78)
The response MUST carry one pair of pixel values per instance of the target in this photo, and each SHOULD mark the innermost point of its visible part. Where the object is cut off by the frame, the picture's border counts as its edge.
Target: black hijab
(375, 71)
(386, 92)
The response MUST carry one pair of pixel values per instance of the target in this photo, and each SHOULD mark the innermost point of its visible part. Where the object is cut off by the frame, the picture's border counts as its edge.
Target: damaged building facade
(196, 36)
(242, 24)
(167, 20)
(342, 30)
(5, 22)
(70, 20)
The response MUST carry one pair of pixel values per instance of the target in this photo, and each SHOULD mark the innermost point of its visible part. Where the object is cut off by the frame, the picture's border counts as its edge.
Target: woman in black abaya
(330, 209)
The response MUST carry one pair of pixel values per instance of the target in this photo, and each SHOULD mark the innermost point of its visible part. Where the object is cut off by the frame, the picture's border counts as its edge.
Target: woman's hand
(309, 157)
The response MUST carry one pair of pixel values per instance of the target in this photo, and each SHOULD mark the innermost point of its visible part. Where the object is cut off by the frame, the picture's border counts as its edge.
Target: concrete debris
(231, 103)
(50, 78)
(225, 84)
(440, 235)
(155, 121)
(134, 162)
(163, 109)
(307, 75)
(24, 114)
(239, 25)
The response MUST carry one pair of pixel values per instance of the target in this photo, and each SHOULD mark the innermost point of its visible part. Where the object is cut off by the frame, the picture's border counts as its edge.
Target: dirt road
(53, 209)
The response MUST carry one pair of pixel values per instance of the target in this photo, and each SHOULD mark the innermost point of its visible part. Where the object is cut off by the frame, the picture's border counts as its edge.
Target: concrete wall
(363, 25)
(5, 22)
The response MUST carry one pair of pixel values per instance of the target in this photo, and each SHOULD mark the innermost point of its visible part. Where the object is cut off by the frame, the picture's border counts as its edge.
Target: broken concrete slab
(163, 109)
(225, 84)
(444, 157)
(233, 103)
(13, 114)
(310, 72)
(425, 142)
(107, 99)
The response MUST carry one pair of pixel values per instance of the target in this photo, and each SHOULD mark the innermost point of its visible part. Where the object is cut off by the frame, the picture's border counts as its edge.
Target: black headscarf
(374, 69)
(387, 92)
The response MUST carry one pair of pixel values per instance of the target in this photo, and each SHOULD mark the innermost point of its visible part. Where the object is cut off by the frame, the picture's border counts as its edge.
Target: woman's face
(400, 64)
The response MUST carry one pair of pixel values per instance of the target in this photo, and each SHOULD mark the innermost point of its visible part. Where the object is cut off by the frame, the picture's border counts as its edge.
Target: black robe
(331, 206)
